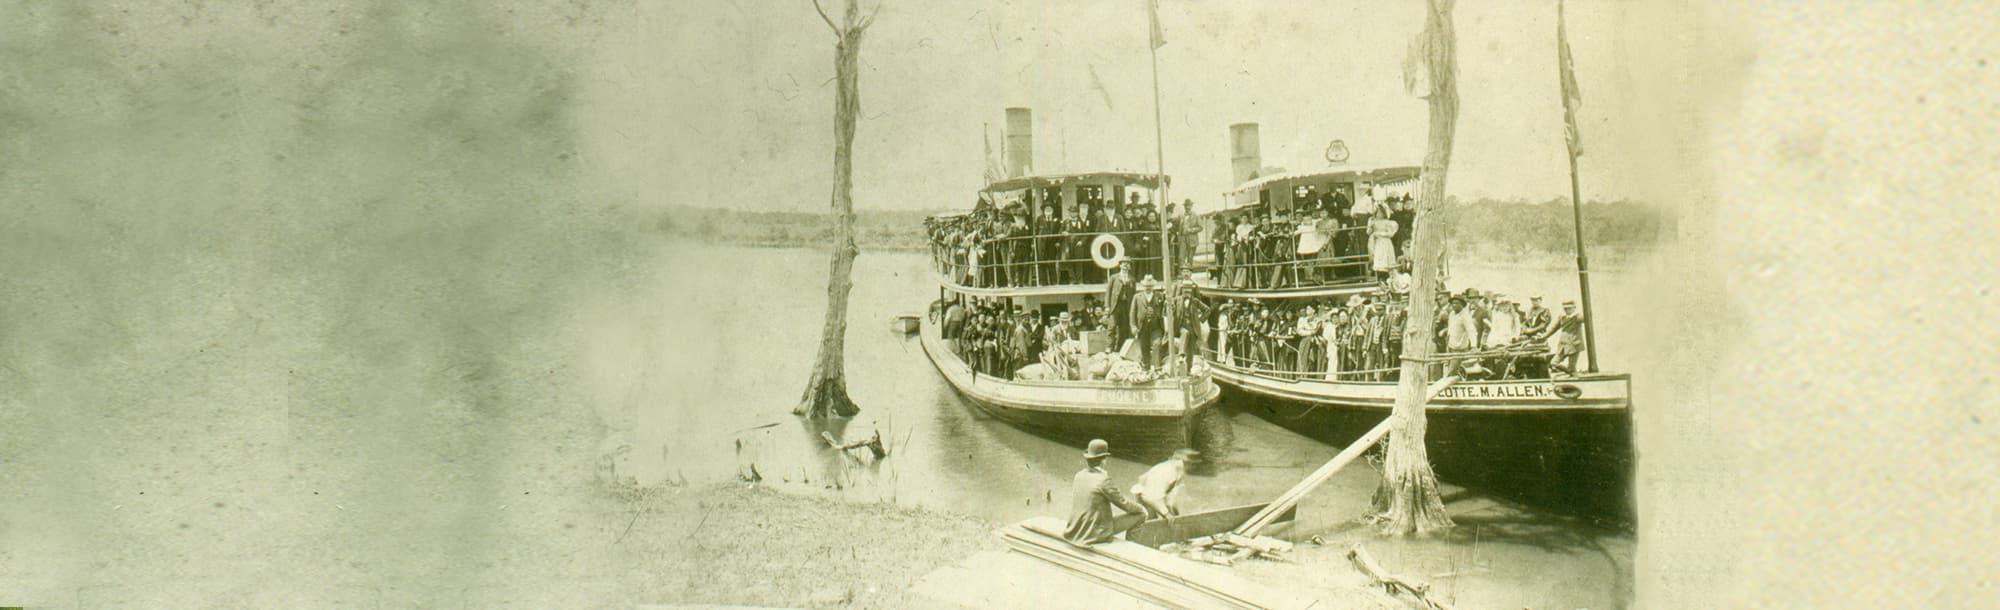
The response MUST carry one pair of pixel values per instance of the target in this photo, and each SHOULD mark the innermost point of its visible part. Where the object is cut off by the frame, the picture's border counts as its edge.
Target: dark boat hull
(1577, 461)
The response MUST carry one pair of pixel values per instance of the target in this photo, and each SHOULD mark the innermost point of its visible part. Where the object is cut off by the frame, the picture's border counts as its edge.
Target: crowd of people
(1361, 339)
(1006, 246)
(1000, 341)
(1327, 238)
(994, 340)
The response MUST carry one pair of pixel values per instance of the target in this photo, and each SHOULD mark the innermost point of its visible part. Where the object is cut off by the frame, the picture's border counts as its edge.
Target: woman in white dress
(1505, 324)
(1329, 333)
(1381, 243)
(1310, 348)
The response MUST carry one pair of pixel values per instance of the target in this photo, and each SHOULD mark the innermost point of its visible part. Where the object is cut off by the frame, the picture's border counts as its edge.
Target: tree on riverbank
(826, 392)
(1409, 499)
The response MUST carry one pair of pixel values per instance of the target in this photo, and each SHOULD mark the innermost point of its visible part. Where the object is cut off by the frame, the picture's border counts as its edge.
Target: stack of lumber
(1144, 573)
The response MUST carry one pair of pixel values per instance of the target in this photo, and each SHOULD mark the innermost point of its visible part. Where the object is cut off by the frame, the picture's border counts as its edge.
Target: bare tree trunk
(826, 392)
(1409, 498)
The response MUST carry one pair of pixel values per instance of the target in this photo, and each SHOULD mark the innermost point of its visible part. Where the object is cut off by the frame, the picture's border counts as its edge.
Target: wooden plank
(1113, 574)
(1146, 583)
(1157, 532)
(1137, 586)
(1148, 565)
(1291, 497)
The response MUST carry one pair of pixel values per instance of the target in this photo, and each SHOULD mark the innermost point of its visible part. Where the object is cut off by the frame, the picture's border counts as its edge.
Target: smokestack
(1246, 156)
(1020, 153)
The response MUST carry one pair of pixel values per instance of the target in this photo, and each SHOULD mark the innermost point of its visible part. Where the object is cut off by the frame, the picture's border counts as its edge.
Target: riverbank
(748, 545)
(751, 545)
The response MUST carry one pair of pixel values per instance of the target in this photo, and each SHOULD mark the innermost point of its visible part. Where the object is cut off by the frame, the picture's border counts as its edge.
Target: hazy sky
(730, 103)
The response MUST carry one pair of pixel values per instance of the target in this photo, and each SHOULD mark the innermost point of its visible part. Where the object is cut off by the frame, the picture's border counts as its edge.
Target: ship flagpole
(1156, 39)
(1572, 98)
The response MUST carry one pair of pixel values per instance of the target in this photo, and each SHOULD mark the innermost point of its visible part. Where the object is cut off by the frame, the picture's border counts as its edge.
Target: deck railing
(1508, 360)
(1250, 268)
(1039, 260)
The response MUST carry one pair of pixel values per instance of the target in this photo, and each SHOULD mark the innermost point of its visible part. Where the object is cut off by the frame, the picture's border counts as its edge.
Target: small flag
(1153, 15)
(1572, 98)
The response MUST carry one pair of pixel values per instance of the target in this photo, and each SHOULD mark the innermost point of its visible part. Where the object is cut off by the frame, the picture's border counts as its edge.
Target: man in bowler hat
(1092, 494)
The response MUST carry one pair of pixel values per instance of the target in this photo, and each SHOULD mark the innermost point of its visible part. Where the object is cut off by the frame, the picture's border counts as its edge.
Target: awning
(1124, 178)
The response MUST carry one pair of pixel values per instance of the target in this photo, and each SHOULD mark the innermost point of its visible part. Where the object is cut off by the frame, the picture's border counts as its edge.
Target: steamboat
(1078, 387)
(1513, 426)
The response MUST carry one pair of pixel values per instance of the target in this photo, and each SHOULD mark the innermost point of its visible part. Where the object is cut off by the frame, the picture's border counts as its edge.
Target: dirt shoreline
(752, 545)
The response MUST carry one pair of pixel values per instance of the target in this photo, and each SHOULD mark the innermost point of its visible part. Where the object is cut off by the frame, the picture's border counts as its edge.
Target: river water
(701, 357)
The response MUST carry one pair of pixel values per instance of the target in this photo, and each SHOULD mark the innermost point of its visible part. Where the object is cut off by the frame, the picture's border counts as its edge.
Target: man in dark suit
(1148, 319)
(1076, 248)
(1092, 495)
(1118, 297)
(1048, 246)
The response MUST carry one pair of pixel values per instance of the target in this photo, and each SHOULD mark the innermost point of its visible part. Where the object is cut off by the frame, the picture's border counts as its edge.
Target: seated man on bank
(1092, 496)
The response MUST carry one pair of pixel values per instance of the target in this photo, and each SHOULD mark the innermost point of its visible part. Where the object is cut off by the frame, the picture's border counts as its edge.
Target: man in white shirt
(1159, 489)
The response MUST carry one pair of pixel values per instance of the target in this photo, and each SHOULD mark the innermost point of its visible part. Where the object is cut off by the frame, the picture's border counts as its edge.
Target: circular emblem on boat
(1568, 392)
(1106, 251)
(1336, 152)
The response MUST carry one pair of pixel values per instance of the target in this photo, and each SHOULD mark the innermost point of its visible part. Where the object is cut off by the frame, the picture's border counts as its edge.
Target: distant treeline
(1519, 231)
(1504, 230)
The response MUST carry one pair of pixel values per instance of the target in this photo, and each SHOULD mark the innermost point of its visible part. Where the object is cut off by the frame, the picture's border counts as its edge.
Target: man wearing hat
(1568, 330)
(1148, 319)
(1076, 247)
(1118, 298)
(1048, 246)
(1092, 494)
(1159, 489)
(1536, 322)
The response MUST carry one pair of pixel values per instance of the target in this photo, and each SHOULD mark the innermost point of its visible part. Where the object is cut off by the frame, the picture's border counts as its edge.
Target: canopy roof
(1379, 173)
(1129, 178)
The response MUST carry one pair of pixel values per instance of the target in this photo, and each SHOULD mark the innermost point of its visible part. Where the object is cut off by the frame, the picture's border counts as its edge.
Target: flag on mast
(1153, 15)
(1572, 98)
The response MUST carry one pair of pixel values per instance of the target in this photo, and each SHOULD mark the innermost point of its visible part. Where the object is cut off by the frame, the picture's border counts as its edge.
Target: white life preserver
(1097, 251)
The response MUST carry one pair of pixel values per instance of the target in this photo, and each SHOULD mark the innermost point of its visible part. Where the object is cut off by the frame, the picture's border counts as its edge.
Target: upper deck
(1306, 234)
(1046, 235)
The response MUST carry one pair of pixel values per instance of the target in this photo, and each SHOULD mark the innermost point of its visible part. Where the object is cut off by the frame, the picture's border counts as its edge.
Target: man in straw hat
(1092, 494)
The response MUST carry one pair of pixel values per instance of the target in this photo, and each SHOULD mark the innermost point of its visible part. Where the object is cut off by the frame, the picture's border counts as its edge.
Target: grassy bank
(737, 544)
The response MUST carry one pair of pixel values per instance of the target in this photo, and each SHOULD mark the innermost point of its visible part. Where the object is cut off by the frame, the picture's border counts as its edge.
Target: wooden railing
(1248, 267)
(1440, 364)
(1044, 260)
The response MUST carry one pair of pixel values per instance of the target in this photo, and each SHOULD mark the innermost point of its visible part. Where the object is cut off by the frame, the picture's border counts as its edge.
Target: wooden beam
(1291, 497)
(1419, 590)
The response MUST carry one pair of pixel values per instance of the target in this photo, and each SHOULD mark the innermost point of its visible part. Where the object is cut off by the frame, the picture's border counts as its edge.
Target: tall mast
(1154, 41)
(1571, 99)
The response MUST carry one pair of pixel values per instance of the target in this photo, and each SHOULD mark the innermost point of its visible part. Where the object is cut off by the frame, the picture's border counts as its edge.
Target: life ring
(1568, 392)
(1098, 256)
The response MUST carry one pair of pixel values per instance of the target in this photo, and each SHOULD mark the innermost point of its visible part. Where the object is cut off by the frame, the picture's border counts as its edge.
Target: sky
(729, 103)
